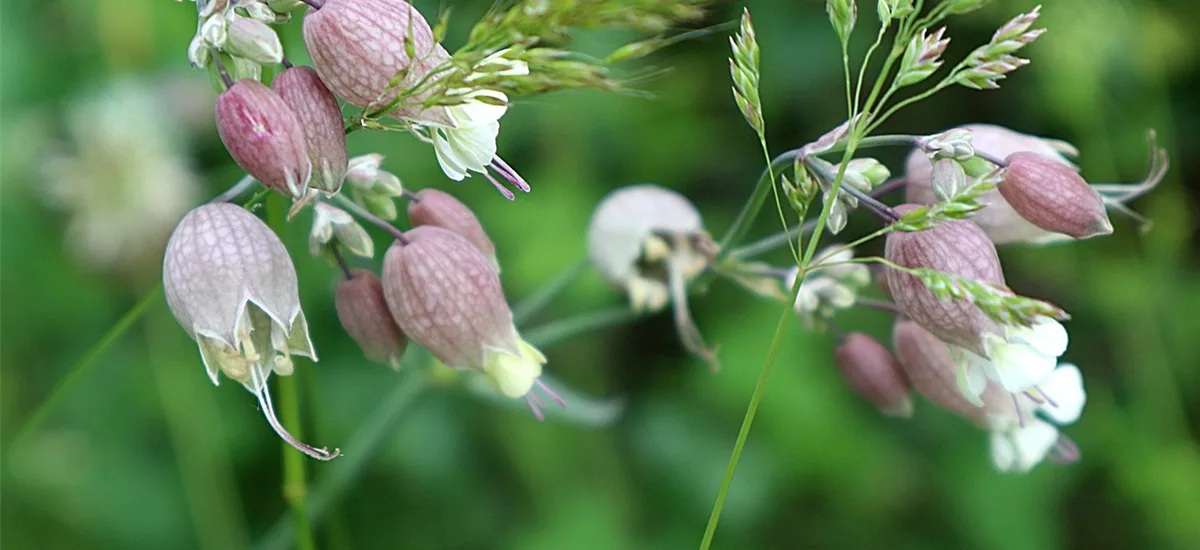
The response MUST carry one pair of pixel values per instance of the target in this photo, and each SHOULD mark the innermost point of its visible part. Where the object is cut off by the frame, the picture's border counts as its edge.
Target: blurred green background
(144, 452)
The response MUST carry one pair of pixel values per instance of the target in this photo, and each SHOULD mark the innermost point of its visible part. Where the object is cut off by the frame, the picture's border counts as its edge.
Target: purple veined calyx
(363, 312)
(649, 242)
(231, 285)
(873, 372)
(440, 209)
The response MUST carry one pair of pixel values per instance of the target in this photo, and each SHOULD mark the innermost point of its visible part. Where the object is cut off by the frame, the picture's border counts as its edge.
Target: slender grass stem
(563, 329)
(76, 372)
(295, 479)
(771, 242)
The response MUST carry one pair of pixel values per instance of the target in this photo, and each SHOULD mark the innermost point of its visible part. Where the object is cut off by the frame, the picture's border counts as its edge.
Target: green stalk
(748, 420)
(741, 225)
(295, 480)
(76, 372)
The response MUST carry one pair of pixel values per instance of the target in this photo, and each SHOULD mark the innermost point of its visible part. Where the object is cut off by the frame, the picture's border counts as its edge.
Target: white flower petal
(1016, 365)
(1048, 337)
(446, 157)
(971, 382)
(1033, 442)
(1004, 455)
(1064, 390)
(474, 146)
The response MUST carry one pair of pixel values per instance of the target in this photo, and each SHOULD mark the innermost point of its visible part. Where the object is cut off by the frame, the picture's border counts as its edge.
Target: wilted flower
(360, 47)
(874, 373)
(372, 187)
(1019, 438)
(1015, 356)
(997, 218)
(828, 289)
(319, 115)
(650, 242)
(364, 314)
(1053, 197)
(445, 295)
(232, 286)
(123, 177)
(264, 136)
(440, 209)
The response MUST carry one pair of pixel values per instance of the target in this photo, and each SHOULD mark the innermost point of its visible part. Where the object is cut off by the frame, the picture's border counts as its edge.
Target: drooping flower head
(445, 295)
(230, 283)
(1053, 197)
(650, 242)
(1016, 356)
(364, 314)
(360, 46)
(1023, 427)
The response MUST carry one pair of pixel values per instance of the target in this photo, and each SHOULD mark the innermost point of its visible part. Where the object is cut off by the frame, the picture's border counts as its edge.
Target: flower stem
(375, 220)
(77, 371)
(771, 242)
(534, 303)
(295, 480)
(238, 188)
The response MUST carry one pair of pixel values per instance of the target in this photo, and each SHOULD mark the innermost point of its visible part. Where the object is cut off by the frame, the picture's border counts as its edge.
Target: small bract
(230, 283)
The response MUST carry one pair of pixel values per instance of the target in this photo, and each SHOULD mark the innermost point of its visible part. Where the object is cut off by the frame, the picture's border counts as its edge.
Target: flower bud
(286, 6)
(329, 222)
(359, 46)
(957, 247)
(445, 295)
(259, 11)
(997, 218)
(254, 40)
(198, 53)
(364, 314)
(1053, 197)
(373, 188)
(440, 209)
(231, 284)
(215, 31)
(264, 136)
(319, 115)
(874, 373)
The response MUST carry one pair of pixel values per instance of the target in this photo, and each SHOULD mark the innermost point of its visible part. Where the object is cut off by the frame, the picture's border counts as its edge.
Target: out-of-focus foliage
(146, 453)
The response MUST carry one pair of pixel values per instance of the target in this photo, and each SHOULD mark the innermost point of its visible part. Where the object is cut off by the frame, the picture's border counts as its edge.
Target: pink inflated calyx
(1053, 196)
(264, 136)
(364, 314)
(440, 209)
(320, 117)
(956, 247)
(874, 373)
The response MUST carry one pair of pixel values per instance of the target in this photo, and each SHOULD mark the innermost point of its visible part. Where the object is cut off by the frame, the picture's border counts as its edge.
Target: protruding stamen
(1020, 413)
(500, 187)
(264, 401)
(1065, 451)
(554, 396)
(509, 174)
(533, 406)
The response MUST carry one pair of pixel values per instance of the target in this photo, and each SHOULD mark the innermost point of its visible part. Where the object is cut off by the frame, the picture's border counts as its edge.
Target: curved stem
(750, 210)
(889, 186)
(341, 261)
(563, 329)
(238, 188)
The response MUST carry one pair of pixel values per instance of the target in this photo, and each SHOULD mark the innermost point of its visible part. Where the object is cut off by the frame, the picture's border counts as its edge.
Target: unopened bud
(254, 40)
(440, 209)
(263, 135)
(956, 247)
(319, 115)
(286, 6)
(948, 179)
(198, 53)
(330, 222)
(259, 11)
(215, 31)
(1053, 197)
(364, 314)
(875, 374)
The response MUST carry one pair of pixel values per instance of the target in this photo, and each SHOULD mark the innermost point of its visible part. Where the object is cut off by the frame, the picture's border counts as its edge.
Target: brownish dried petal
(358, 47)
(874, 373)
(1053, 197)
(321, 118)
(364, 314)
(932, 370)
(957, 247)
(445, 295)
(264, 136)
(440, 209)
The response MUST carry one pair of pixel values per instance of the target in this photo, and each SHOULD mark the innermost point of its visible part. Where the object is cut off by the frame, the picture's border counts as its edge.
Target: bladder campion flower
(264, 136)
(445, 295)
(318, 113)
(364, 314)
(438, 208)
(232, 286)
(875, 374)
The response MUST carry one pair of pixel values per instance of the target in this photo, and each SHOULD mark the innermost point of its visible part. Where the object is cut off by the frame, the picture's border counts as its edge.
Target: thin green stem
(745, 219)
(748, 420)
(851, 245)
(862, 70)
(889, 140)
(295, 480)
(771, 242)
(562, 329)
(76, 372)
(828, 206)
